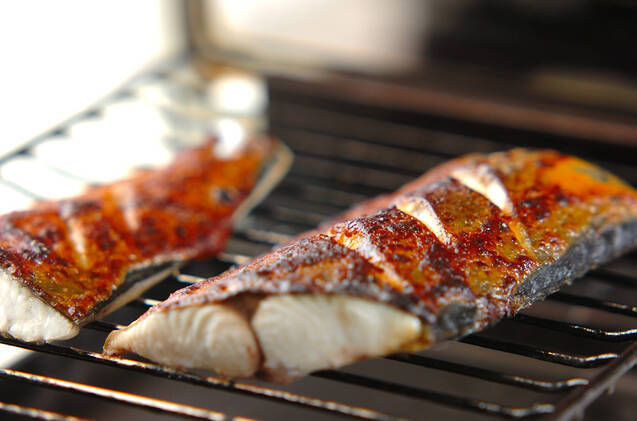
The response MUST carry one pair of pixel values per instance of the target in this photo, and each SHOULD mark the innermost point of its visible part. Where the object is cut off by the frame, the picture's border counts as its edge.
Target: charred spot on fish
(181, 231)
(39, 248)
(223, 196)
(149, 227)
(438, 258)
(525, 263)
(542, 214)
(264, 272)
(51, 235)
(35, 251)
(562, 200)
(400, 258)
(529, 203)
(509, 283)
(456, 318)
(535, 208)
(105, 242)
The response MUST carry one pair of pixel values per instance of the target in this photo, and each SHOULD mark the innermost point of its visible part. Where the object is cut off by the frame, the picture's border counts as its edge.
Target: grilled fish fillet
(63, 263)
(467, 244)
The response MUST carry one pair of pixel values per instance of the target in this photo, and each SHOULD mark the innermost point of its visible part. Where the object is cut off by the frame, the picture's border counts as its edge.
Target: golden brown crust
(532, 208)
(74, 253)
(315, 264)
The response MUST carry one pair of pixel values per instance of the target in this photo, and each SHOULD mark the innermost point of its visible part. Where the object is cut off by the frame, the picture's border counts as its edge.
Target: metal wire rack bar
(579, 330)
(299, 114)
(568, 359)
(573, 404)
(438, 397)
(40, 414)
(491, 375)
(609, 306)
(153, 404)
(613, 278)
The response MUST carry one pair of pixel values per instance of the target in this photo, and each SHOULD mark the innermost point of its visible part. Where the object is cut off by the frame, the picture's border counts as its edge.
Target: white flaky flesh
(26, 317)
(214, 337)
(299, 334)
(288, 335)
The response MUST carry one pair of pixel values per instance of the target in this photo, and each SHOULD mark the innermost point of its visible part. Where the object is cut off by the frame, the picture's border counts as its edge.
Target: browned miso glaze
(538, 205)
(74, 253)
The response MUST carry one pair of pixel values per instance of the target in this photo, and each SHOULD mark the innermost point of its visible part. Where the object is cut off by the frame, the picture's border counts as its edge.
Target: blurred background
(369, 94)
(59, 59)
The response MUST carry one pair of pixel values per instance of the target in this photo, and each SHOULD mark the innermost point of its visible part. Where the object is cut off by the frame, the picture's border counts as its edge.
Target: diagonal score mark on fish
(481, 179)
(466, 244)
(65, 263)
(422, 210)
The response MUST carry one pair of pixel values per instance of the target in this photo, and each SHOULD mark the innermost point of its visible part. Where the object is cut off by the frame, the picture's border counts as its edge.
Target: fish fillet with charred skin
(66, 262)
(465, 245)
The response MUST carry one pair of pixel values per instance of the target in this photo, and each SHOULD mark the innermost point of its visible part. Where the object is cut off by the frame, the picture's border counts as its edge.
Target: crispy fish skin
(74, 254)
(468, 243)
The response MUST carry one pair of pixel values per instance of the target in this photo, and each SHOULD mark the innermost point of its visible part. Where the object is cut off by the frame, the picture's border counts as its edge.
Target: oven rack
(616, 364)
(339, 163)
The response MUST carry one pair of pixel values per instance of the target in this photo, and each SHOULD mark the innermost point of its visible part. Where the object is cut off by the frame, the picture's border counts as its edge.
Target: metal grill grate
(550, 361)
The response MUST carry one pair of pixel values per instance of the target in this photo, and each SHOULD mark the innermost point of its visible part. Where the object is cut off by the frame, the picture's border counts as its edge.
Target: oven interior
(354, 136)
